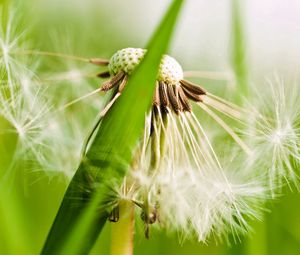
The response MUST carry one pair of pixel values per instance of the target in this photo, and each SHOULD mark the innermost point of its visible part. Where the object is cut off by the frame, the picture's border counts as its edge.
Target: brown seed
(104, 74)
(184, 100)
(156, 101)
(164, 101)
(192, 87)
(176, 91)
(113, 81)
(191, 95)
(173, 98)
(99, 61)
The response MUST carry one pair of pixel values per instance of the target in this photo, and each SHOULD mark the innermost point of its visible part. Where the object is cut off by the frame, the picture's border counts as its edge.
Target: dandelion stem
(123, 230)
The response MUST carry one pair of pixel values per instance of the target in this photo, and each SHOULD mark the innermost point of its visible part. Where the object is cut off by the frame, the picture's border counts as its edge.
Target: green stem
(123, 230)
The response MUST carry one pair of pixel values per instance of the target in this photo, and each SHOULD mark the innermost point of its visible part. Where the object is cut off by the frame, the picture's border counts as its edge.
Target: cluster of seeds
(172, 91)
(127, 59)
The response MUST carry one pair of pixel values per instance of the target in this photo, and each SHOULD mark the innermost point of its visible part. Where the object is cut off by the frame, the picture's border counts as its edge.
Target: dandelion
(275, 132)
(176, 178)
(40, 128)
(28, 103)
(22, 101)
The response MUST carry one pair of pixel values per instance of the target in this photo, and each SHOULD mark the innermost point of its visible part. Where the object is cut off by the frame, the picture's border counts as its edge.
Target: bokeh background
(204, 40)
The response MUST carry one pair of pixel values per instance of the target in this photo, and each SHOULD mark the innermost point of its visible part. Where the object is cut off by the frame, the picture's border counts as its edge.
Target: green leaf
(82, 214)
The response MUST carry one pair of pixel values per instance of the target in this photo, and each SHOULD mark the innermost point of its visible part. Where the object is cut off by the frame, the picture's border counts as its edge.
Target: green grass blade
(13, 220)
(79, 222)
(239, 63)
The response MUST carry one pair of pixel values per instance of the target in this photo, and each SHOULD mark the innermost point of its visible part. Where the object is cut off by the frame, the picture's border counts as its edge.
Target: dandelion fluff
(275, 133)
(192, 194)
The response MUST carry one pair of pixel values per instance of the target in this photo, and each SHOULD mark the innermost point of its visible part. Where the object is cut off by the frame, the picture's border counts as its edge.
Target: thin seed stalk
(163, 135)
(155, 153)
(158, 141)
(122, 232)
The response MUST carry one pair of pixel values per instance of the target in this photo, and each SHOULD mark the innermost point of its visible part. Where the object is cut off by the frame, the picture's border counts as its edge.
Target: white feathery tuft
(28, 103)
(275, 132)
(192, 193)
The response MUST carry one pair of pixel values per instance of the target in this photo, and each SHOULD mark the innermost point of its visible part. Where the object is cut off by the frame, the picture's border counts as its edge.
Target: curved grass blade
(82, 213)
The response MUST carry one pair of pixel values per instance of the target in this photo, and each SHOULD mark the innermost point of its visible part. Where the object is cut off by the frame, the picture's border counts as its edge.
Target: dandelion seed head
(170, 71)
(128, 59)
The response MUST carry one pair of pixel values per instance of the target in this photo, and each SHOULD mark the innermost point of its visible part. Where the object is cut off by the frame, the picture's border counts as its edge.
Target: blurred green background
(255, 39)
